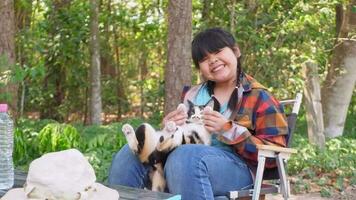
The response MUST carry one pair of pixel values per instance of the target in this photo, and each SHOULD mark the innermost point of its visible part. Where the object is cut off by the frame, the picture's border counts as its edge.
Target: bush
(324, 170)
(338, 156)
(97, 143)
(56, 137)
(25, 138)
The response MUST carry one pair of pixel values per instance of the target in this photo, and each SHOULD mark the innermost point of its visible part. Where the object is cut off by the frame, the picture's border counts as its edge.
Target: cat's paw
(170, 126)
(129, 133)
(182, 108)
(127, 129)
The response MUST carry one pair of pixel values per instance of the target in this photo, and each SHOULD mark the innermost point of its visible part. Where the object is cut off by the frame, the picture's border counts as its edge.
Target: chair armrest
(276, 149)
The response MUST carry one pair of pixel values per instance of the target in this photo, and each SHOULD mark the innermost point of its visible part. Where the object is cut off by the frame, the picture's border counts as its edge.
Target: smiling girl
(249, 115)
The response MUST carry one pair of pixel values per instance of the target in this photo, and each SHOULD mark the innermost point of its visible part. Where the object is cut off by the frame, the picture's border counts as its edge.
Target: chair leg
(283, 178)
(259, 177)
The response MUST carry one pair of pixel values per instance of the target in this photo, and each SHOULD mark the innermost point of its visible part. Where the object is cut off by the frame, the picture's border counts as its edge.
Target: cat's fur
(152, 147)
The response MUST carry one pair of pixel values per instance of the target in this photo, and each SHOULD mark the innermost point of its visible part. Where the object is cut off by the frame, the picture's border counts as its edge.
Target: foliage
(9, 74)
(26, 144)
(339, 156)
(329, 170)
(276, 38)
(56, 137)
(98, 143)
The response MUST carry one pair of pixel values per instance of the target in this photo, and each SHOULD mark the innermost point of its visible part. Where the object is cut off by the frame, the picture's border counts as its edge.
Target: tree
(178, 69)
(110, 60)
(23, 11)
(95, 97)
(54, 81)
(7, 53)
(340, 80)
(120, 92)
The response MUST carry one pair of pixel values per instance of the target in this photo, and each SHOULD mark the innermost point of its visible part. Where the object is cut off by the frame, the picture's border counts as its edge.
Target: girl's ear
(237, 51)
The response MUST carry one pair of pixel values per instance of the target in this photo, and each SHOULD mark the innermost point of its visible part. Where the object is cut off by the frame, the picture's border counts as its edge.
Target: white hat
(64, 175)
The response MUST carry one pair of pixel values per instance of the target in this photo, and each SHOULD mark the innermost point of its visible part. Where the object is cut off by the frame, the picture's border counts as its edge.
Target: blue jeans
(193, 171)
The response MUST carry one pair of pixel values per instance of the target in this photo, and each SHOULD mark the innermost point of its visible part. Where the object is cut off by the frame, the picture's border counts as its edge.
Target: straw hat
(64, 175)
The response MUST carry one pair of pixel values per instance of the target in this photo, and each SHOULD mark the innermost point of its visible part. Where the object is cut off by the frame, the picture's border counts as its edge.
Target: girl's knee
(185, 160)
(126, 169)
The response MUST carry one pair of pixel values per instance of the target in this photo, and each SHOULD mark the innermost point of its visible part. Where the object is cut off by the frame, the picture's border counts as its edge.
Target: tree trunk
(338, 88)
(232, 17)
(23, 12)
(56, 73)
(106, 56)
(120, 91)
(178, 69)
(95, 90)
(341, 77)
(312, 98)
(205, 17)
(7, 53)
(143, 74)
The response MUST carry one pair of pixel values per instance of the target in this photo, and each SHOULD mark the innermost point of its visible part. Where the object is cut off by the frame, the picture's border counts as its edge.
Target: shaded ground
(348, 194)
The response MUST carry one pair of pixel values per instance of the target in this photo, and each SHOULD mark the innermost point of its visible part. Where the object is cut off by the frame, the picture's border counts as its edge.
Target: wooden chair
(280, 154)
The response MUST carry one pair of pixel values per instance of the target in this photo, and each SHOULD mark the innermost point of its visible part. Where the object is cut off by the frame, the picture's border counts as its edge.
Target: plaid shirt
(260, 120)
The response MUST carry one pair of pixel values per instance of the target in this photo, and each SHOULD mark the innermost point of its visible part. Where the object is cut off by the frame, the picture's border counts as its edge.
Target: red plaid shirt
(262, 115)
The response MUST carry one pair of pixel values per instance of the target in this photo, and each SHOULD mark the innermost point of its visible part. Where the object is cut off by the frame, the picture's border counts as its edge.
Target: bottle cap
(3, 107)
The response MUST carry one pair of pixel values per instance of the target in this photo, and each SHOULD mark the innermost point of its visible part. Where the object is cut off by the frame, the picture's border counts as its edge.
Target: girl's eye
(204, 59)
(218, 51)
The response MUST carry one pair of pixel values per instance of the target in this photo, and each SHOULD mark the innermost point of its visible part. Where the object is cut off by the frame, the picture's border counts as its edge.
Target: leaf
(353, 9)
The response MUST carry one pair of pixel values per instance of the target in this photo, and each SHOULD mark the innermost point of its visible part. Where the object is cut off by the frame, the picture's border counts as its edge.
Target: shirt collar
(249, 83)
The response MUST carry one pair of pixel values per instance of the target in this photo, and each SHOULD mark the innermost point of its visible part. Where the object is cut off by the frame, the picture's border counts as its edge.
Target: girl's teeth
(217, 68)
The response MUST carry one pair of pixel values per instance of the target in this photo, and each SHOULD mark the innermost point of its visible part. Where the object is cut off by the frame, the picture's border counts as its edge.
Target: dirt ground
(348, 194)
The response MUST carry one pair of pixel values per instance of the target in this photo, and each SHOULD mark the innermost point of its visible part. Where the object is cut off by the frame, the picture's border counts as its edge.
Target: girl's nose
(212, 60)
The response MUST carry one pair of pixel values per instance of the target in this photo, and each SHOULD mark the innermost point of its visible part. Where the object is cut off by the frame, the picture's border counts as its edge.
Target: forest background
(73, 71)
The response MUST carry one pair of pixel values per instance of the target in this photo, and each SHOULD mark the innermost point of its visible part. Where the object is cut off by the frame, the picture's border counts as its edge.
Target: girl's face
(220, 66)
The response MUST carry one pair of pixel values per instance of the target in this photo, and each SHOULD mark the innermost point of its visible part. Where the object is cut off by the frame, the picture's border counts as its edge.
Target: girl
(249, 115)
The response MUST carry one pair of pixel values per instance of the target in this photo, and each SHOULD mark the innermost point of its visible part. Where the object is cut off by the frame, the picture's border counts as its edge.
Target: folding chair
(280, 154)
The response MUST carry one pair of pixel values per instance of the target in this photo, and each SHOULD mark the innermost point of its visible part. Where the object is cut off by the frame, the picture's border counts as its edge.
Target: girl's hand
(214, 122)
(177, 116)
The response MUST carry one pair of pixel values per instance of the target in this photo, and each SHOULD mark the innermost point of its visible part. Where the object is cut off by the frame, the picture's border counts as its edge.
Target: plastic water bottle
(6, 148)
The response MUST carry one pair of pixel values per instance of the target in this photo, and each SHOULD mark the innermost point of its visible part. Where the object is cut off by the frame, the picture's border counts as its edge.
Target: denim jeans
(193, 171)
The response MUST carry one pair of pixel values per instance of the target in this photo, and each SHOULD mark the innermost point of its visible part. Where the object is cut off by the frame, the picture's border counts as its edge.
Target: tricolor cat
(152, 147)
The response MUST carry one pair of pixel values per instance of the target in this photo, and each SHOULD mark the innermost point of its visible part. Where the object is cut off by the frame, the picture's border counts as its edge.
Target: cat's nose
(161, 139)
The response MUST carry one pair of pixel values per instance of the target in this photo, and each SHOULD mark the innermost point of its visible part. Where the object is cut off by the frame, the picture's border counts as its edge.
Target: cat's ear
(191, 104)
(182, 108)
(213, 103)
(191, 107)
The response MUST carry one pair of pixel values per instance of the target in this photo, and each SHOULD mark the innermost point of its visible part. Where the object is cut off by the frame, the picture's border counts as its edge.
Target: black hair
(210, 41)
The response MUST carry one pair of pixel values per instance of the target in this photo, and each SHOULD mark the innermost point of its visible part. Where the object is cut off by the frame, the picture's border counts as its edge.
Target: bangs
(210, 41)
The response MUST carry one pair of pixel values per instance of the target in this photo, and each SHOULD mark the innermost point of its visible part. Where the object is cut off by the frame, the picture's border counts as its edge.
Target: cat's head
(171, 137)
(195, 111)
